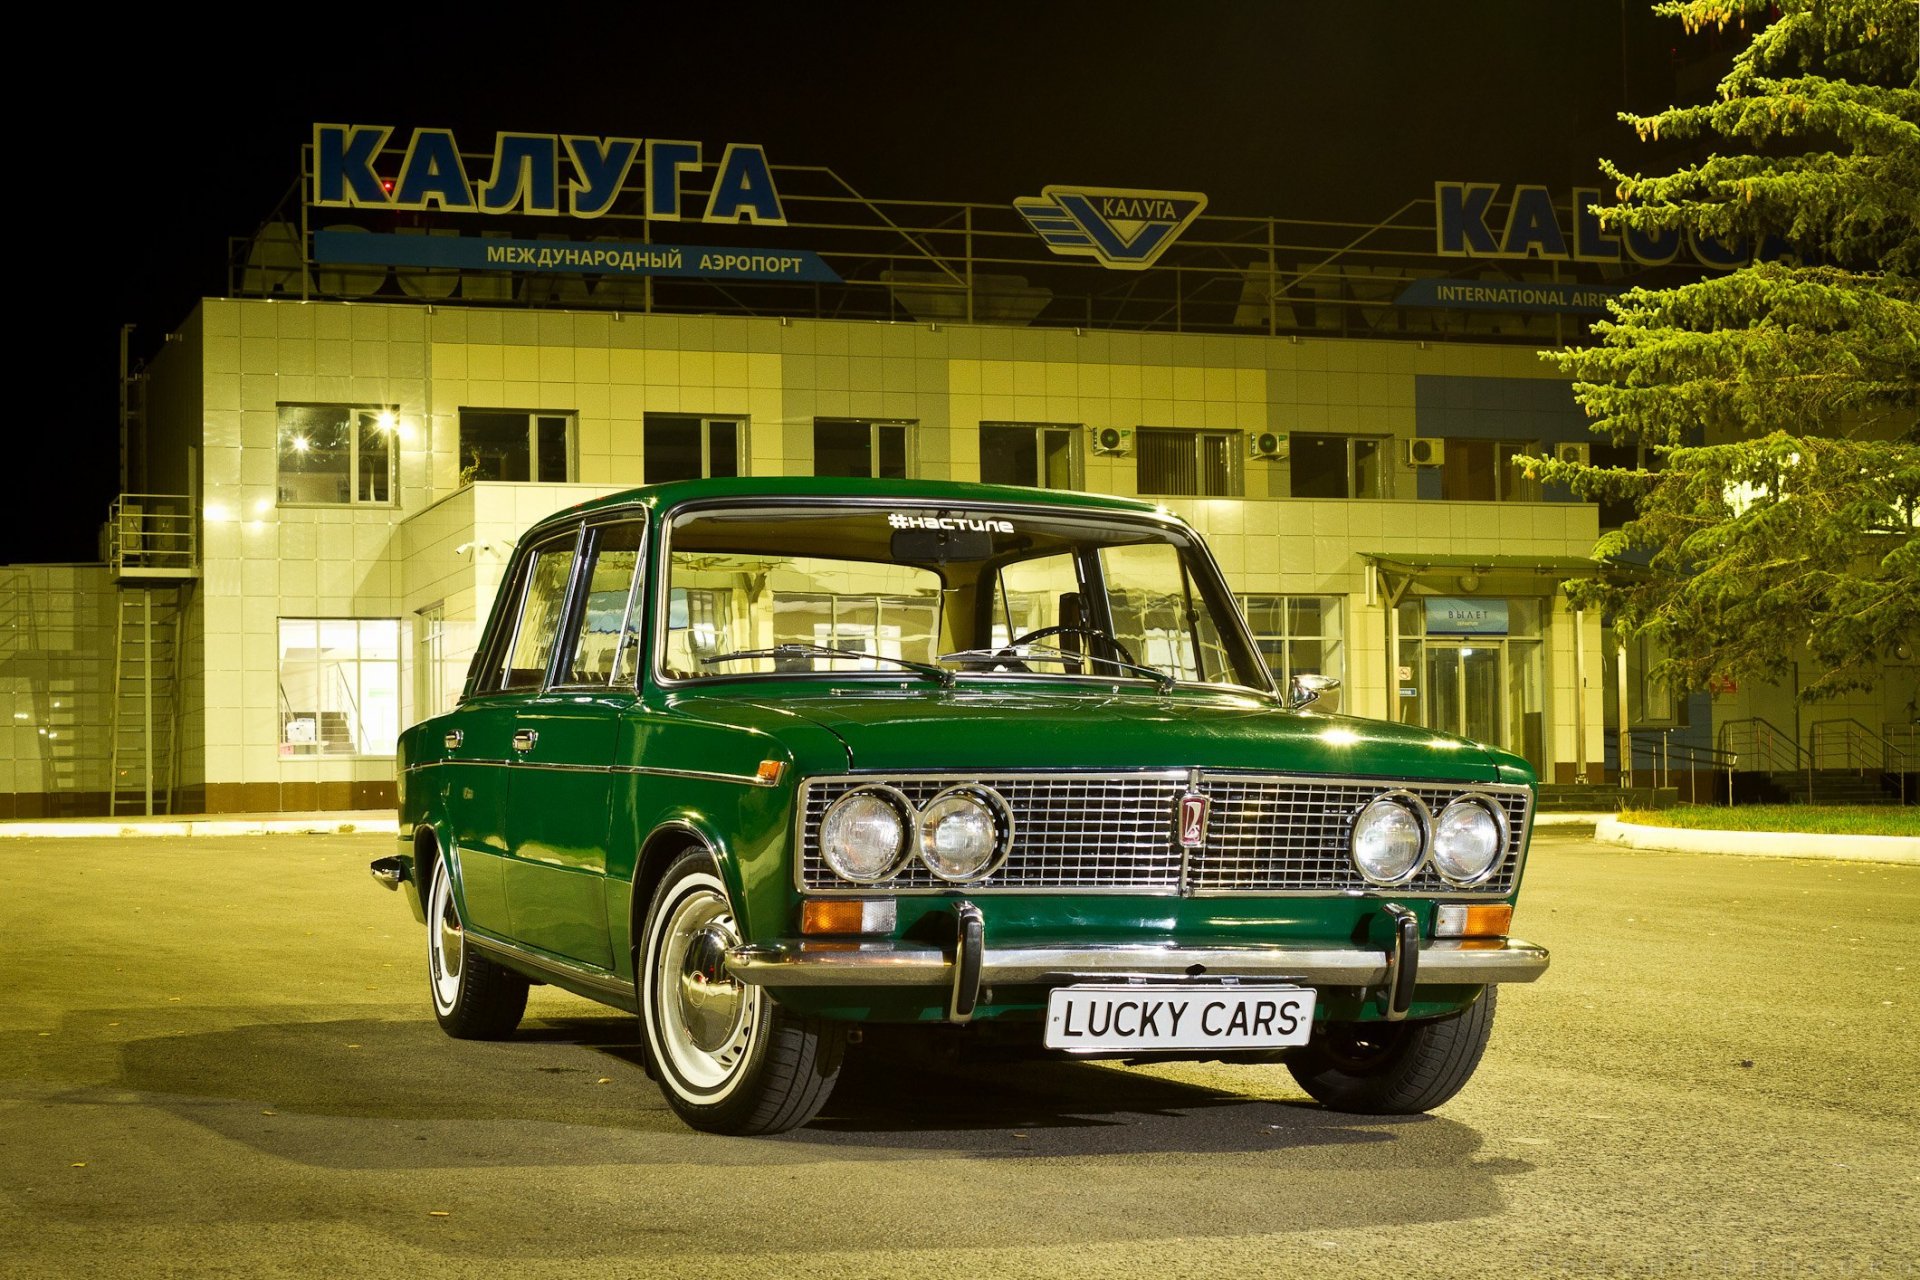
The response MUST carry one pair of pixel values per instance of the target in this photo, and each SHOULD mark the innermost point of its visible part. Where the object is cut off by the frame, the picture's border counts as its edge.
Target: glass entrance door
(1464, 690)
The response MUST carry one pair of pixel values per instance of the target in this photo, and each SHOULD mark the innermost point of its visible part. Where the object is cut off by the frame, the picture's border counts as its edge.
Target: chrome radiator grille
(1115, 832)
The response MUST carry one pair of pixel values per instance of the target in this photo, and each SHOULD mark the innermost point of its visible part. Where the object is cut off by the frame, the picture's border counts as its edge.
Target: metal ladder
(146, 702)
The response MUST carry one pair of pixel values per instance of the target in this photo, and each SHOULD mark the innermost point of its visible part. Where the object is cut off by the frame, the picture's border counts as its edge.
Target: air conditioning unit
(1112, 440)
(1267, 444)
(1426, 453)
(1578, 454)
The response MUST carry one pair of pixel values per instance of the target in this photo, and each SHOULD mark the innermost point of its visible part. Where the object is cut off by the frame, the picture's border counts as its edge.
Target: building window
(333, 453)
(683, 447)
(339, 686)
(1484, 471)
(860, 447)
(514, 444)
(1188, 463)
(1339, 466)
(443, 649)
(1040, 454)
(1299, 636)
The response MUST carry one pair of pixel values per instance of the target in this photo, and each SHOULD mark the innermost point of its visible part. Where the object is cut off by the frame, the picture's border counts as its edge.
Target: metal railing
(1903, 745)
(1842, 742)
(1657, 747)
(939, 262)
(152, 535)
(1845, 744)
(1762, 744)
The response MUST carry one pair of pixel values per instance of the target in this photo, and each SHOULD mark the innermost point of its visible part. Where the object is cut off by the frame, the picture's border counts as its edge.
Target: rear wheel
(728, 1058)
(473, 997)
(1394, 1068)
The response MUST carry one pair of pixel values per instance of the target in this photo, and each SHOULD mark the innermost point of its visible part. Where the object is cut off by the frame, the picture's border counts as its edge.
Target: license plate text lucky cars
(1103, 1019)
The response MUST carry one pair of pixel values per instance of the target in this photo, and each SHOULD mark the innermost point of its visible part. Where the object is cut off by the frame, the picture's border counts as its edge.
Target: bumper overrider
(971, 964)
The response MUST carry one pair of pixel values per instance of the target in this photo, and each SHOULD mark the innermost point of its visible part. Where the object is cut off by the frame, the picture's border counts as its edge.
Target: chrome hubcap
(710, 998)
(706, 1015)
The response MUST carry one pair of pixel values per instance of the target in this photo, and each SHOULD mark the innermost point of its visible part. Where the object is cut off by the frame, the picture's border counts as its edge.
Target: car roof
(660, 497)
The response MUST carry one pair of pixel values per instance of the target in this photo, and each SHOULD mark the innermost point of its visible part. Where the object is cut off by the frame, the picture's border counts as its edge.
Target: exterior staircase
(146, 698)
(1562, 797)
(1837, 786)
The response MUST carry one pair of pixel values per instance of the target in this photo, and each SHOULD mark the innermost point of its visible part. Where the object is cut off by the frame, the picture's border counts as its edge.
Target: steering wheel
(1091, 632)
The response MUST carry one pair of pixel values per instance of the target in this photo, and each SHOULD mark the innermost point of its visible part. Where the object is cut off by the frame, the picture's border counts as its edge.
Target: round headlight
(863, 835)
(962, 836)
(1389, 838)
(1468, 839)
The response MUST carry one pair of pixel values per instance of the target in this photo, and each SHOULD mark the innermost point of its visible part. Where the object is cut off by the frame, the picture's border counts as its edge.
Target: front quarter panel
(690, 768)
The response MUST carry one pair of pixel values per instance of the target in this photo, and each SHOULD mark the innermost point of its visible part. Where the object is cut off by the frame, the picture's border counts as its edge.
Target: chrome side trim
(738, 779)
(797, 962)
(583, 980)
(702, 775)
(435, 764)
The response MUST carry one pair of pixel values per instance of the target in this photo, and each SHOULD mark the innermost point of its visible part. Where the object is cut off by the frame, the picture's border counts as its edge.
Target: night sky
(175, 132)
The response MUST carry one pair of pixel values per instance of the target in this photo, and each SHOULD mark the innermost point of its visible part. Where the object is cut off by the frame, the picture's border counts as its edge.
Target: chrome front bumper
(970, 965)
(797, 963)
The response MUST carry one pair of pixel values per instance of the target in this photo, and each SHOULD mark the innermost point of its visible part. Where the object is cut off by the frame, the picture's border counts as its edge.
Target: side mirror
(1307, 689)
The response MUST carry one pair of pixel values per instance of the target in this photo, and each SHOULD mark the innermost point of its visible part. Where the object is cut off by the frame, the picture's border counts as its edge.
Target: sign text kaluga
(537, 173)
(1467, 223)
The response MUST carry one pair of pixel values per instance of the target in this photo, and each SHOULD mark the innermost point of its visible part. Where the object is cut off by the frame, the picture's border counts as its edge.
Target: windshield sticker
(957, 524)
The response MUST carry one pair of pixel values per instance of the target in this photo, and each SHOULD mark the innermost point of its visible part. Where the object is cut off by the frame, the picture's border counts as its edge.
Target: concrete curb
(1769, 844)
(373, 823)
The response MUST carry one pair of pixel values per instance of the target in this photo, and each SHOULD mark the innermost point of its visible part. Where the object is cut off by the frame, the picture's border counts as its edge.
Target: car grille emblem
(1193, 820)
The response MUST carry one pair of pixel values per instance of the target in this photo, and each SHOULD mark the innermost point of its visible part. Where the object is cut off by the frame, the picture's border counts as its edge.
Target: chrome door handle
(523, 739)
(454, 738)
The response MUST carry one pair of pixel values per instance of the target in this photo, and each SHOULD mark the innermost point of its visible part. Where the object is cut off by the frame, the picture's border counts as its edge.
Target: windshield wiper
(945, 677)
(1025, 651)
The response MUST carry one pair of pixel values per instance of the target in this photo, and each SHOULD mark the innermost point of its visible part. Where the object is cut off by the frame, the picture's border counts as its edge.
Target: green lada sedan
(767, 760)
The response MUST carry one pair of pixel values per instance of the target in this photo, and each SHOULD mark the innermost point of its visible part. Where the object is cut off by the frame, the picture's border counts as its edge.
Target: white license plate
(1105, 1019)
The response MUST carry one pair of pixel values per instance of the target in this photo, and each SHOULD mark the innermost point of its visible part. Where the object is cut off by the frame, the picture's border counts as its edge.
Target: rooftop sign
(1121, 227)
(1464, 227)
(527, 171)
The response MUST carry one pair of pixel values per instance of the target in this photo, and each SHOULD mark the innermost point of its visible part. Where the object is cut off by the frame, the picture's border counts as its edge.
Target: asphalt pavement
(217, 1058)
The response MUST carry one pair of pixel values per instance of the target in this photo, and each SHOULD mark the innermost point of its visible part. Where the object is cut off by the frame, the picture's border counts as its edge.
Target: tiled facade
(432, 557)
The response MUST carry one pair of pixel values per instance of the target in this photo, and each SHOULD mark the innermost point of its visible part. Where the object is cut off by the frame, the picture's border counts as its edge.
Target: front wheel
(728, 1058)
(473, 997)
(1394, 1068)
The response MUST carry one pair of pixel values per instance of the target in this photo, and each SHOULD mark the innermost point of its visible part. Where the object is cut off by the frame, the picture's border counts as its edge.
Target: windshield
(899, 590)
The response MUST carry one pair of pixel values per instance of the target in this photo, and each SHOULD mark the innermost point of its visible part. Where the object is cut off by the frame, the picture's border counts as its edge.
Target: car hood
(998, 729)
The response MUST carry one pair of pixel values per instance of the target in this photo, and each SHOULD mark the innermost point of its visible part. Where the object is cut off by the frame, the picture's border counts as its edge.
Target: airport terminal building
(429, 348)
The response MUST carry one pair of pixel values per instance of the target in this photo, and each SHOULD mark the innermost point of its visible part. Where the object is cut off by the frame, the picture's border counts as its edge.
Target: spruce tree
(1778, 513)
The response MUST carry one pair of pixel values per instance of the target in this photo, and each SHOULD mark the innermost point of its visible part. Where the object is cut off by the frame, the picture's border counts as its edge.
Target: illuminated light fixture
(386, 421)
(848, 915)
(1458, 920)
(301, 444)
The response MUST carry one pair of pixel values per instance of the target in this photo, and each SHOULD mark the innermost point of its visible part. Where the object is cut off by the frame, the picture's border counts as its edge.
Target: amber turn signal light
(848, 915)
(1458, 920)
(768, 774)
